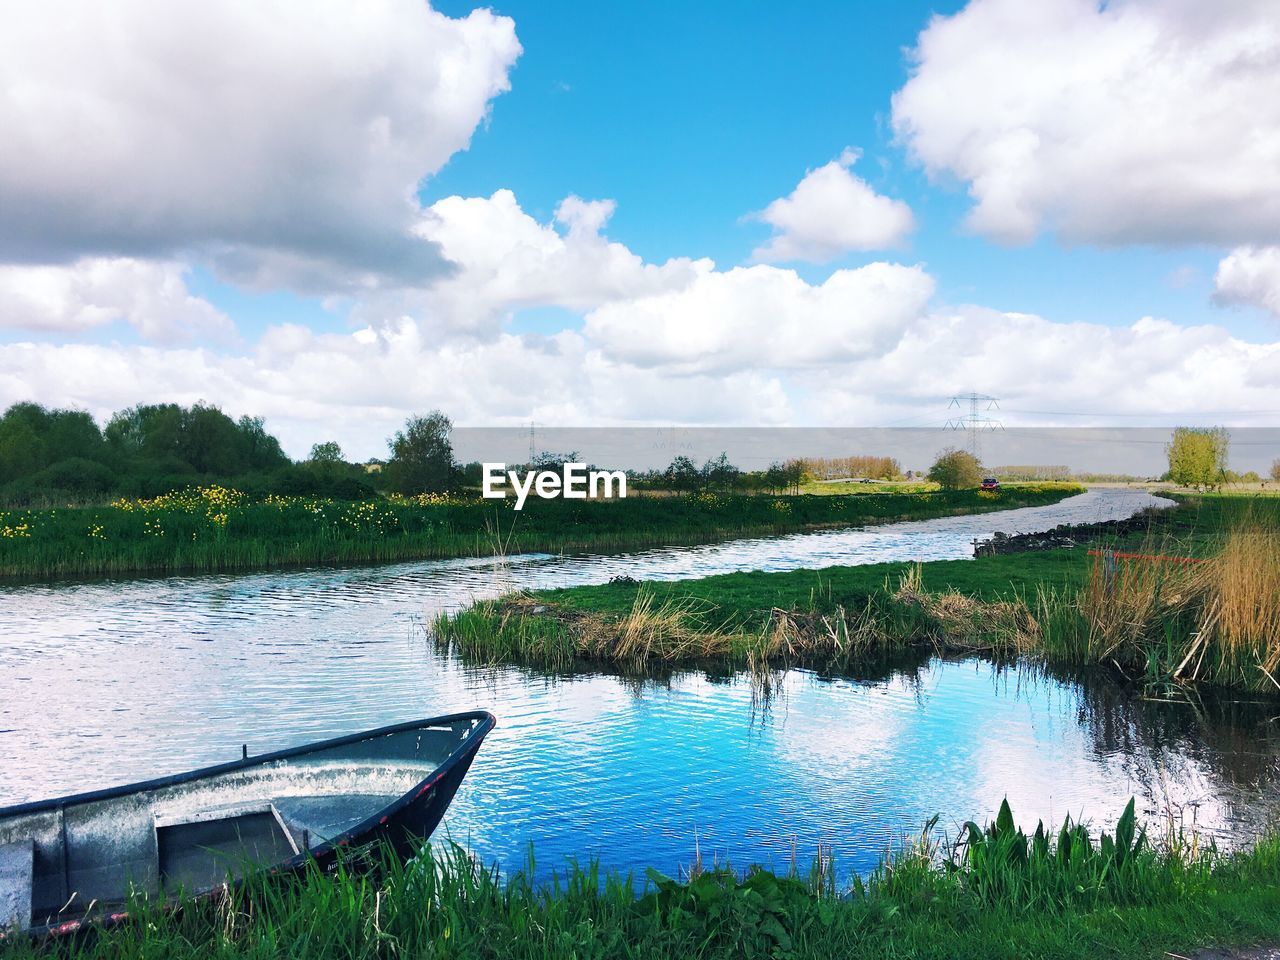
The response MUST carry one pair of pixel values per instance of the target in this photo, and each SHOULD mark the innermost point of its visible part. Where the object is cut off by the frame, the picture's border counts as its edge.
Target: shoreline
(87, 544)
(1200, 603)
(996, 892)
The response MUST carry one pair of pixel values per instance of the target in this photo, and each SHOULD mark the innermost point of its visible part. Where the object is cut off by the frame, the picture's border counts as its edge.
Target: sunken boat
(78, 860)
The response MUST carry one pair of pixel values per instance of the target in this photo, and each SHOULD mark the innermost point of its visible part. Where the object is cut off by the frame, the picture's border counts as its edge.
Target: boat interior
(59, 861)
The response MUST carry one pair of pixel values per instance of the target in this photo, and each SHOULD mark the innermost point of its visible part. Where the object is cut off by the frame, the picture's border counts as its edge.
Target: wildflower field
(216, 528)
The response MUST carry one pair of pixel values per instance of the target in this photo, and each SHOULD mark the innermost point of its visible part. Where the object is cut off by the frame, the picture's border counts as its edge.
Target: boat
(77, 860)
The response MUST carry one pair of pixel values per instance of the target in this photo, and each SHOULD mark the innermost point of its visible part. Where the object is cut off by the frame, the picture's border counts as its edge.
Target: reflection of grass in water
(998, 893)
(215, 529)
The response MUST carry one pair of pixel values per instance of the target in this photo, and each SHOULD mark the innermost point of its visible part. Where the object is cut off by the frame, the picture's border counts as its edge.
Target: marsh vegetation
(1194, 597)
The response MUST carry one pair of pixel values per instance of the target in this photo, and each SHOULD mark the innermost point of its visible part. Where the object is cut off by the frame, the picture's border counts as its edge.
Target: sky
(335, 215)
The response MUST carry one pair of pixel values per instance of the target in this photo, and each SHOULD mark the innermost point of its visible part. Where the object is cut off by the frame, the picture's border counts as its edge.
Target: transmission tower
(532, 454)
(975, 422)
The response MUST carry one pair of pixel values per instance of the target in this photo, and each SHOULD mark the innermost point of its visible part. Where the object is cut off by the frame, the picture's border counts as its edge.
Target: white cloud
(1150, 367)
(506, 260)
(283, 139)
(764, 316)
(358, 388)
(1134, 121)
(95, 291)
(861, 348)
(830, 213)
(1249, 275)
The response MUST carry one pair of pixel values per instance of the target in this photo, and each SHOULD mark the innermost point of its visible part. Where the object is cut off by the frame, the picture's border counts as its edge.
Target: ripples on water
(107, 682)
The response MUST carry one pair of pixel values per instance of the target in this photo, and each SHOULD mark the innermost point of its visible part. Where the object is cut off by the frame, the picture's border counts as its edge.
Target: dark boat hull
(280, 812)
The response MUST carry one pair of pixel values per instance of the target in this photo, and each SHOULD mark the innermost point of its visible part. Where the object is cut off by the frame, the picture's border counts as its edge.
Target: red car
(990, 483)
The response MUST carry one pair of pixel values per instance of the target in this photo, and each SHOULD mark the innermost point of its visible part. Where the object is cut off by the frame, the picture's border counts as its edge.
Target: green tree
(775, 478)
(794, 470)
(422, 456)
(148, 429)
(719, 473)
(33, 437)
(260, 449)
(22, 450)
(328, 453)
(956, 470)
(1275, 470)
(1198, 456)
(682, 474)
(210, 441)
(159, 438)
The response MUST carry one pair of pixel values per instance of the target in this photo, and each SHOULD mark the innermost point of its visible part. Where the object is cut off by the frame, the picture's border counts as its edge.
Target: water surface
(107, 682)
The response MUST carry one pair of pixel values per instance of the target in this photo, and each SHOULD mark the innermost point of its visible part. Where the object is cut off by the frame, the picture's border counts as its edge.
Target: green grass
(1163, 624)
(1001, 893)
(829, 487)
(216, 529)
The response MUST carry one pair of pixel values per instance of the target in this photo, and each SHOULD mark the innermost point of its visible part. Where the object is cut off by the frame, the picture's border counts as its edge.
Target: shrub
(956, 470)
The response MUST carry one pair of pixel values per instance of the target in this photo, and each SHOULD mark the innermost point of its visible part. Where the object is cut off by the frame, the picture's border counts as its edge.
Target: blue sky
(349, 214)
(692, 118)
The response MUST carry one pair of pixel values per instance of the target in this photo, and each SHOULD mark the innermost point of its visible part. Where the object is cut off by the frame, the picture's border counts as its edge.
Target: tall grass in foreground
(998, 892)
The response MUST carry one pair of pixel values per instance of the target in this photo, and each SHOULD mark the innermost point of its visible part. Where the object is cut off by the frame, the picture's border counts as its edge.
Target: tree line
(57, 456)
(718, 475)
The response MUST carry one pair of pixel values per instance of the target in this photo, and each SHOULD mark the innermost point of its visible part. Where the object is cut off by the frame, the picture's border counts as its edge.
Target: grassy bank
(998, 893)
(218, 529)
(1198, 600)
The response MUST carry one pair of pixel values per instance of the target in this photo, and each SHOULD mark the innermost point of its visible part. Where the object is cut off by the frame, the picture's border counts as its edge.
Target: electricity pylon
(975, 422)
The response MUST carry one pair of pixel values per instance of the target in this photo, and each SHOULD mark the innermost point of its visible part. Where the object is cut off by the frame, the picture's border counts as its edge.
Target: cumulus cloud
(283, 140)
(357, 388)
(764, 316)
(95, 291)
(1134, 121)
(751, 345)
(1251, 276)
(830, 213)
(1149, 367)
(506, 260)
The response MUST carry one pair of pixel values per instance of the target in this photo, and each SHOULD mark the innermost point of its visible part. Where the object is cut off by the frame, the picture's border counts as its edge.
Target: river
(107, 682)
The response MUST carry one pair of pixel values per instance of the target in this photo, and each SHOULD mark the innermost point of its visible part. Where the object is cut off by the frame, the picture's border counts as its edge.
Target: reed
(1242, 610)
(676, 629)
(999, 892)
(1170, 622)
(1200, 602)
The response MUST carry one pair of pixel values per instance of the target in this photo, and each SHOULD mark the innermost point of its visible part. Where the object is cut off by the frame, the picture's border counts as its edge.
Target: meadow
(1195, 597)
(216, 528)
(993, 892)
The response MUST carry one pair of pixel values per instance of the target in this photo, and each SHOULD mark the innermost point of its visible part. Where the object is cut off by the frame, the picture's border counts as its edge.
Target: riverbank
(1193, 595)
(219, 530)
(1001, 893)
